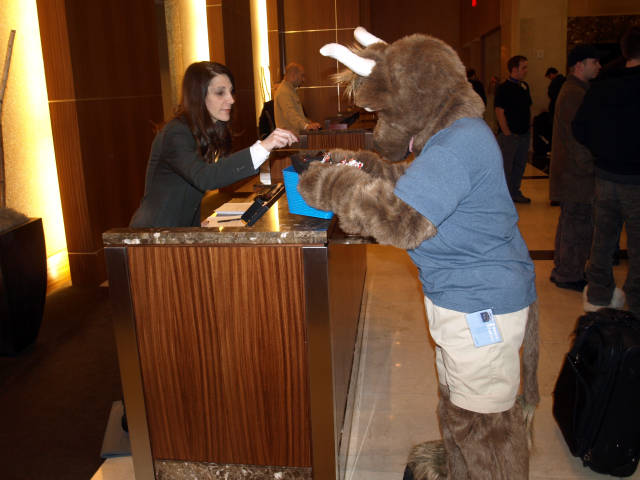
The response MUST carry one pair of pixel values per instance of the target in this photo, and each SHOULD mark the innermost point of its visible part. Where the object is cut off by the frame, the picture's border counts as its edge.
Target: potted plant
(23, 262)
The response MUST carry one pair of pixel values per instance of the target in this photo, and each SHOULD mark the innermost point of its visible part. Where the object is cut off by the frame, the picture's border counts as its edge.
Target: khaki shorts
(485, 379)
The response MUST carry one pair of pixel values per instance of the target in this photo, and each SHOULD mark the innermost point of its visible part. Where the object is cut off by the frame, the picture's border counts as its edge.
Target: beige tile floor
(396, 395)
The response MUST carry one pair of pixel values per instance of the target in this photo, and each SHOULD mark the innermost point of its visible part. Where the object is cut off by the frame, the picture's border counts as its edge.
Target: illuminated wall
(30, 167)
(187, 38)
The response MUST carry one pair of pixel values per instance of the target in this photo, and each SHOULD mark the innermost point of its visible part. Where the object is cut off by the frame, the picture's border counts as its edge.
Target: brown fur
(364, 205)
(419, 87)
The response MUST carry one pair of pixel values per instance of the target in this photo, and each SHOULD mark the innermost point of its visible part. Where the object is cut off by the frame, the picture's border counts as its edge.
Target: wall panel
(103, 82)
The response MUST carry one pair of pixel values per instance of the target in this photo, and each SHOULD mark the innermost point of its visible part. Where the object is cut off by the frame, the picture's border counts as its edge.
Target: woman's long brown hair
(213, 137)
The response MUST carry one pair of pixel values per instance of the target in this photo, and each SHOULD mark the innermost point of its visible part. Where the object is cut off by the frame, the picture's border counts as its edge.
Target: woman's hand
(279, 138)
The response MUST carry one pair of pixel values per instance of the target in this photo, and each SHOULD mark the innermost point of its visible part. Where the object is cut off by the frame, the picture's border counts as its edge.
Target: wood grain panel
(113, 48)
(309, 15)
(87, 268)
(346, 283)
(319, 103)
(222, 348)
(304, 48)
(348, 13)
(479, 20)
(71, 181)
(55, 49)
(116, 138)
(347, 139)
(216, 33)
(437, 18)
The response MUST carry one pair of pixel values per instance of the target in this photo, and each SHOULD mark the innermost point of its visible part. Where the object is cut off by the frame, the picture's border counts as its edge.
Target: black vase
(23, 285)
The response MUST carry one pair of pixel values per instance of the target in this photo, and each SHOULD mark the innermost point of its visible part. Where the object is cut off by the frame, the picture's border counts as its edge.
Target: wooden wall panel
(309, 15)
(434, 17)
(319, 103)
(117, 43)
(239, 395)
(307, 27)
(479, 20)
(348, 14)
(215, 25)
(55, 49)
(304, 48)
(116, 169)
(103, 80)
(239, 58)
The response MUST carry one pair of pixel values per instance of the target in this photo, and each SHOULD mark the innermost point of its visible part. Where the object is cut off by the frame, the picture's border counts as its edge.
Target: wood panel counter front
(236, 345)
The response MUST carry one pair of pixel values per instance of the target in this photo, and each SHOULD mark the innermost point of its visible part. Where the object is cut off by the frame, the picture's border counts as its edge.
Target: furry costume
(418, 87)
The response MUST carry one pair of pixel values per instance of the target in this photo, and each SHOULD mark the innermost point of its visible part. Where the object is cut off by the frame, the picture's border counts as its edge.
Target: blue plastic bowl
(295, 201)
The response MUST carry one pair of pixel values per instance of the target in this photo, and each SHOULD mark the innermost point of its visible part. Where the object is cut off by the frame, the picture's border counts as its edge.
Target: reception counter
(238, 346)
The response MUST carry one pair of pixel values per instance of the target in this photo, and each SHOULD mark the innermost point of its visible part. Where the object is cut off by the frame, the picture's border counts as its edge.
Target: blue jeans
(616, 204)
(515, 154)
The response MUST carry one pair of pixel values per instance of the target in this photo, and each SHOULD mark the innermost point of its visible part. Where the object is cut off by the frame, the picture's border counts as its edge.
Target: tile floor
(396, 396)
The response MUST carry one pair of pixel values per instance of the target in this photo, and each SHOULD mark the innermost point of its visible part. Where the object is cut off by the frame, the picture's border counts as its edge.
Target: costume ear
(365, 38)
(360, 65)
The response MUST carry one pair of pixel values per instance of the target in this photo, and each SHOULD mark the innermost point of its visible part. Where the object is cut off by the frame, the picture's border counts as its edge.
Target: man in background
(571, 178)
(557, 79)
(607, 123)
(477, 85)
(513, 114)
(286, 103)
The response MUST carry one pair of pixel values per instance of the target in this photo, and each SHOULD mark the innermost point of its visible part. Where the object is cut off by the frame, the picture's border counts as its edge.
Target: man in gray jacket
(571, 177)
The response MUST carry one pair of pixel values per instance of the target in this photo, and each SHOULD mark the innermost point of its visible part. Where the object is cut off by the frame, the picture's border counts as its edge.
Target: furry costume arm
(373, 164)
(365, 205)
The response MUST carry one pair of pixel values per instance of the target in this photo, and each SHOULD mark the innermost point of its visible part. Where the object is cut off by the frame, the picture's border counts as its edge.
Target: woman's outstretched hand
(279, 138)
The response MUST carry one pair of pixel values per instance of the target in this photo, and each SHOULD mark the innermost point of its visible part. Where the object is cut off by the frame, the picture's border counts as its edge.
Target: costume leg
(456, 463)
(630, 199)
(493, 446)
(608, 221)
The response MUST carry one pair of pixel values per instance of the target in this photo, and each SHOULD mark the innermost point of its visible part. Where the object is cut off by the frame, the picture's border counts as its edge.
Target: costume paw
(427, 461)
(312, 182)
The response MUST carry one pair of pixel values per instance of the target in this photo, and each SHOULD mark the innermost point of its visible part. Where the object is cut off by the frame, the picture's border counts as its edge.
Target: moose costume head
(417, 85)
(451, 210)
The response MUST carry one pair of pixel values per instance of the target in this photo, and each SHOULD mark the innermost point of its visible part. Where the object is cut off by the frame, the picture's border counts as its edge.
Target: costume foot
(427, 461)
(578, 285)
(617, 301)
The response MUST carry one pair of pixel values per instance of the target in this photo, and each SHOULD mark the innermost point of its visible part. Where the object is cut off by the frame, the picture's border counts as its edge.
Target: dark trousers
(515, 153)
(616, 204)
(573, 241)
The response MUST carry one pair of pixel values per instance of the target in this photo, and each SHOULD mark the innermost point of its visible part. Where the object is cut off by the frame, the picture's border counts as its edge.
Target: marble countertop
(276, 226)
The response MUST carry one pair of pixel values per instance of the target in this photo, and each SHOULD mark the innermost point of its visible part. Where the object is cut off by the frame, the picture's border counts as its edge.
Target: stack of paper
(227, 215)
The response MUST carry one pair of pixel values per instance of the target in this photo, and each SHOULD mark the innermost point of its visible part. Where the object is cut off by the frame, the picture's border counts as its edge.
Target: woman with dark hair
(190, 155)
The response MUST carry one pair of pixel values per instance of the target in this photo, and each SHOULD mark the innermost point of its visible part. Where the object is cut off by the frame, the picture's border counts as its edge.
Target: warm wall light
(32, 178)
(260, 45)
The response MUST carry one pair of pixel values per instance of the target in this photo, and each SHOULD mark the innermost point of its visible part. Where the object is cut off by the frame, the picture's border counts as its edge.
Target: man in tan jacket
(286, 103)
(571, 177)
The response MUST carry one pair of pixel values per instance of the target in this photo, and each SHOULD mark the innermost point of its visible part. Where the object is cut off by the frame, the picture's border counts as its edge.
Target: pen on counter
(228, 220)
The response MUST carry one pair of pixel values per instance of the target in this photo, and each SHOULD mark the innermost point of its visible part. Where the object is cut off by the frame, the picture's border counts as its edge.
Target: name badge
(484, 330)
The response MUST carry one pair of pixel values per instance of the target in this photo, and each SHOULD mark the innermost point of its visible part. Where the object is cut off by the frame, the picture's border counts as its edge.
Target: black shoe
(519, 198)
(578, 285)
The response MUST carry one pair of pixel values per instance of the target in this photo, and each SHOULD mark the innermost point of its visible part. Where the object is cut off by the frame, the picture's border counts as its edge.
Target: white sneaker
(617, 300)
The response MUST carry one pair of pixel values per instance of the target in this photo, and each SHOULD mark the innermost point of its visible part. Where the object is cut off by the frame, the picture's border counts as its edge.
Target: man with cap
(571, 179)
(607, 123)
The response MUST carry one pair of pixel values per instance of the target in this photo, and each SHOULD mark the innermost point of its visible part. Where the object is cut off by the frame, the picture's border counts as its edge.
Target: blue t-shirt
(477, 259)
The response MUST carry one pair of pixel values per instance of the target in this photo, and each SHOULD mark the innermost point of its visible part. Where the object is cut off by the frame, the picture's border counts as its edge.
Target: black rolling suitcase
(596, 401)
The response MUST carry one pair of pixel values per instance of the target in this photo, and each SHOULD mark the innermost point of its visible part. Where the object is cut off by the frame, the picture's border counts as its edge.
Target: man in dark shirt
(607, 124)
(513, 113)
